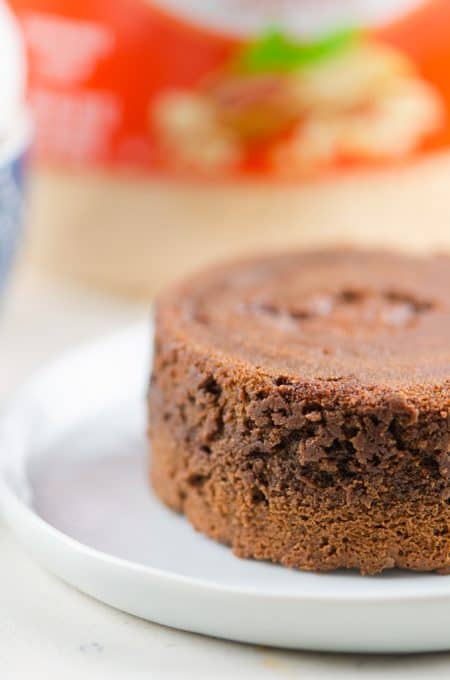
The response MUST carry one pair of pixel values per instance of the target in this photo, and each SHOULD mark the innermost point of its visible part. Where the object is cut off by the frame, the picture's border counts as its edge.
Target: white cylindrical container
(12, 69)
(15, 134)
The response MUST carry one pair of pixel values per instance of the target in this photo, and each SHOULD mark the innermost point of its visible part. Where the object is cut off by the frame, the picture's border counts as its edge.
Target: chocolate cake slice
(300, 408)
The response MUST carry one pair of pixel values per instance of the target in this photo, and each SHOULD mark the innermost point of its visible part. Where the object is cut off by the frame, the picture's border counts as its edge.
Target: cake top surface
(370, 318)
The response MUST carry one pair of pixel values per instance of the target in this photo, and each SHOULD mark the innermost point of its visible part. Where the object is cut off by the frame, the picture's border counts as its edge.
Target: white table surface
(50, 631)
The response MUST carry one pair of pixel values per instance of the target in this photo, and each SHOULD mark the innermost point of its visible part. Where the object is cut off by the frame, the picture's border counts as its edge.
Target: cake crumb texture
(300, 408)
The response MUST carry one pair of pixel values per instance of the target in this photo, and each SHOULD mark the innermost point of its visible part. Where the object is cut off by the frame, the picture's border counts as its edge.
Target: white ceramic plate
(73, 488)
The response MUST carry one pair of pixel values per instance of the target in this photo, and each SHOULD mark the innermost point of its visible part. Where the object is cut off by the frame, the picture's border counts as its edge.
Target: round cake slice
(300, 408)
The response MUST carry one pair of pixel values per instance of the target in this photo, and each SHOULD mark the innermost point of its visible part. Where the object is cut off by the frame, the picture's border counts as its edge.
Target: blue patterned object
(11, 209)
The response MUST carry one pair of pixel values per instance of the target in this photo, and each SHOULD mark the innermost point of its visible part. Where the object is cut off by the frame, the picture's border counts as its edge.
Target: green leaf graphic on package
(276, 52)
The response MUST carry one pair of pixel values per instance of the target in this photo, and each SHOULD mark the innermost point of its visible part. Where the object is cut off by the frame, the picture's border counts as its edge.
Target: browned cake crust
(300, 409)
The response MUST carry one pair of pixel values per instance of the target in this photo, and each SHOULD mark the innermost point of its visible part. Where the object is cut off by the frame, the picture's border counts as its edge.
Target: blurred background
(141, 139)
(170, 133)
